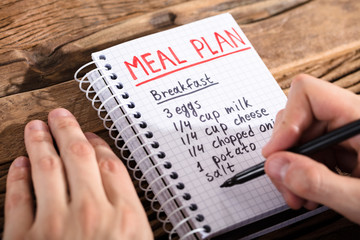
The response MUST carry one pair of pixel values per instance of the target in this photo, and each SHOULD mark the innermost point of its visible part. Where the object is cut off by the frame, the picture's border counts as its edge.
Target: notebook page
(211, 103)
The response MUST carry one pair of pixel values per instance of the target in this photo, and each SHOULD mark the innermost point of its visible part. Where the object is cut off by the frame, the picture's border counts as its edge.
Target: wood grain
(46, 63)
(42, 43)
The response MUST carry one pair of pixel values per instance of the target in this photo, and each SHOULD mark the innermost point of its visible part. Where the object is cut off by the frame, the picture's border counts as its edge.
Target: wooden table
(42, 43)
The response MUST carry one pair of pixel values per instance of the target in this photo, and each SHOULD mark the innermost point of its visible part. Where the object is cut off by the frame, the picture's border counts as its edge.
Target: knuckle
(48, 163)
(111, 164)
(300, 79)
(39, 136)
(293, 129)
(81, 148)
(16, 199)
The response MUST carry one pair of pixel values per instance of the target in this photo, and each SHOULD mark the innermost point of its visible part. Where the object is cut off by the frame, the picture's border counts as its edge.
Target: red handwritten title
(159, 61)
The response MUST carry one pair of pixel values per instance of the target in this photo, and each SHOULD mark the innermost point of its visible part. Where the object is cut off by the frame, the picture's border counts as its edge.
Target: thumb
(313, 181)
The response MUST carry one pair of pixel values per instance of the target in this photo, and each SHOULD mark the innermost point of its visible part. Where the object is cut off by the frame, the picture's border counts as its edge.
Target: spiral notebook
(193, 105)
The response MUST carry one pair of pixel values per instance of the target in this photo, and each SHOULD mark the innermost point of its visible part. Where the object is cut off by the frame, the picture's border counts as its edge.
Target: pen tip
(227, 183)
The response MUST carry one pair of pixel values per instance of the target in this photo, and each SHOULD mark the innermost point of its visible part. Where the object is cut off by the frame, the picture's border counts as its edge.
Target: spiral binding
(87, 86)
(149, 170)
(148, 189)
(206, 228)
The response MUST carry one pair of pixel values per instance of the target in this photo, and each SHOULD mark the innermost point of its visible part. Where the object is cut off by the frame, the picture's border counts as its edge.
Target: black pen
(329, 139)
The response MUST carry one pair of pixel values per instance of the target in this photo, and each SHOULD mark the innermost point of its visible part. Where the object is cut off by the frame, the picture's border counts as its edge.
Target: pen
(331, 138)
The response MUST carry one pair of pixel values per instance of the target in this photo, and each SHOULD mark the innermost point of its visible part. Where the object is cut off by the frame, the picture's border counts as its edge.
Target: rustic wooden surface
(43, 42)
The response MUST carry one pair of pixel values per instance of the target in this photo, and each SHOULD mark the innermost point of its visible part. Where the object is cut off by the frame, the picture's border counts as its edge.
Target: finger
(115, 178)
(47, 170)
(275, 174)
(19, 212)
(310, 205)
(295, 118)
(317, 128)
(315, 182)
(278, 120)
(78, 156)
(310, 100)
(292, 200)
(320, 100)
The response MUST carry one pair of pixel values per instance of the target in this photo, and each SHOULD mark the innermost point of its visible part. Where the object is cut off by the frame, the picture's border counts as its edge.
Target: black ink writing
(249, 116)
(187, 109)
(240, 104)
(182, 125)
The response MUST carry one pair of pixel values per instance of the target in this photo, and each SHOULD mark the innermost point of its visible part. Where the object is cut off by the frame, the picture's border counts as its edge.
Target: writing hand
(84, 192)
(313, 108)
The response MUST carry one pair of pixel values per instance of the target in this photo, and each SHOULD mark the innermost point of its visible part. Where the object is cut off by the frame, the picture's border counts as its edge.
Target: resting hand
(84, 192)
(313, 108)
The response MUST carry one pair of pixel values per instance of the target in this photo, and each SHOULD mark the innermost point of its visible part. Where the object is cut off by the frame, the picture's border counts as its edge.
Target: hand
(84, 192)
(313, 108)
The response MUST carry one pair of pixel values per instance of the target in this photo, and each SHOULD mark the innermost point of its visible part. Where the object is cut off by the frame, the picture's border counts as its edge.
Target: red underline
(191, 65)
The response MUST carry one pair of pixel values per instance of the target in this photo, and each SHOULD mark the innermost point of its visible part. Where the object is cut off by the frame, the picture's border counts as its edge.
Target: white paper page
(211, 103)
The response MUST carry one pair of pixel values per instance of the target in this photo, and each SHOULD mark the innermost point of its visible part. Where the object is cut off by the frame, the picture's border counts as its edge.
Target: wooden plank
(332, 65)
(33, 33)
(17, 110)
(48, 62)
(24, 24)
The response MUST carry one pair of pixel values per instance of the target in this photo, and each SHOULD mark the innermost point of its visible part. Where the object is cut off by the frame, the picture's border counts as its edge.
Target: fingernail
(21, 162)
(60, 112)
(90, 135)
(37, 125)
(277, 168)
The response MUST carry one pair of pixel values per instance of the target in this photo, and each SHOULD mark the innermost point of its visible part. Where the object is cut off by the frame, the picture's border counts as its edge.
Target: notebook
(188, 108)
